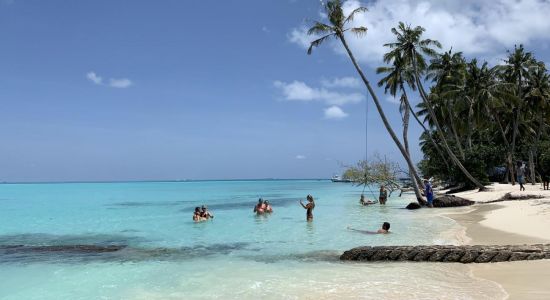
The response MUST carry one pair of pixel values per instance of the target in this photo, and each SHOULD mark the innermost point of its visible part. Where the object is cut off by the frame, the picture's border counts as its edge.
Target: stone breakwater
(455, 254)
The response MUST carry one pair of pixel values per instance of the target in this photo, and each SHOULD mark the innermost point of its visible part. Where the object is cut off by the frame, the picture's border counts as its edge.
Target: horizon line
(155, 180)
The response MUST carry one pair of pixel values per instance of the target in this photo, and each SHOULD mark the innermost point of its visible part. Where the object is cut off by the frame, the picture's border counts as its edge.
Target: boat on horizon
(337, 178)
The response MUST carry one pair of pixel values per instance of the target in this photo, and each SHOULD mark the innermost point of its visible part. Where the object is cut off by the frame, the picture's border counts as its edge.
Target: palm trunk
(470, 125)
(412, 169)
(455, 160)
(513, 146)
(515, 128)
(428, 133)
(532, 166)
(456, 138)
(509, 160)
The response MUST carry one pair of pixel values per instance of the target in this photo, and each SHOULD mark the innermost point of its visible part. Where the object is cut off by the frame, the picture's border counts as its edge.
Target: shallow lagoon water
(237, 255)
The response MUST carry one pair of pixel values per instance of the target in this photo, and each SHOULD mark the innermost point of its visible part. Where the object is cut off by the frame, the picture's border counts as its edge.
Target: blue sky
(134, 90)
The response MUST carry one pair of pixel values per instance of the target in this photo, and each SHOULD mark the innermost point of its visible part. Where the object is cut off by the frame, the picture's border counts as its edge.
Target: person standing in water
(429, 192)
(383, 195)
(260, 207)
(309, 207)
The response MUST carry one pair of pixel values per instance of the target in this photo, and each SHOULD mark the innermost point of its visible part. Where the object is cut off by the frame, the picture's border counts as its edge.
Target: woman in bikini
(309, 207)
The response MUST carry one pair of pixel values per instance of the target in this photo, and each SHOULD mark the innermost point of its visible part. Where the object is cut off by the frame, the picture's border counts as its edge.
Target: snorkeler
(384, 230)
(309, 207)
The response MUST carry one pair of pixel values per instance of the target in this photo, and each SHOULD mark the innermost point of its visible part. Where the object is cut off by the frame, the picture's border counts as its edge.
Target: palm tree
(336, 29)
(516, 71)
(446, 71)
(412, 49)
(537, 98)
(394, 81)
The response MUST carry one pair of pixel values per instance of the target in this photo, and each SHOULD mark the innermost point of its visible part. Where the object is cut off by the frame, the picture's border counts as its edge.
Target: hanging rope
(366, 146)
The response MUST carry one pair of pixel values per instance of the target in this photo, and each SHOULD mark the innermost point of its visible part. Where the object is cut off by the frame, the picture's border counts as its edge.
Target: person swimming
(384, 230)
(260, 207)
(309, 207)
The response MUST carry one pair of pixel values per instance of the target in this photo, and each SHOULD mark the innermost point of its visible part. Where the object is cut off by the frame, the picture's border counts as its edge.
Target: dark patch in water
(84, 253)
(312, 256)
(43, 239)
(146, 204)
(130, 230)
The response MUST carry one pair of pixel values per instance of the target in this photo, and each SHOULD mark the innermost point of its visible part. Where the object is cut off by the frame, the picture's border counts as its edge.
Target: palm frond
(318, 42)
(355, 11)
(359, 31)
(319, 28)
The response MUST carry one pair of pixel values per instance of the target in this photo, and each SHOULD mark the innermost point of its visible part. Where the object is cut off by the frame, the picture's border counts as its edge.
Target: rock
(469, 257)
(454, 256)
(502, 256)
(518, 256)
(413, 205)
(448, 253)
(451, 201)
(486, 256)
(439, 254)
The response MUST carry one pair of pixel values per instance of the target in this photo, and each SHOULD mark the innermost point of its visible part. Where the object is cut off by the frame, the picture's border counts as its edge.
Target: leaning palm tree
(412, 49)
(394, 82)
(336, 29)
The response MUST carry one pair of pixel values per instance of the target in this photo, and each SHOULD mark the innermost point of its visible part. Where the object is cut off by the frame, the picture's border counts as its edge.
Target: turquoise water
(236, 255)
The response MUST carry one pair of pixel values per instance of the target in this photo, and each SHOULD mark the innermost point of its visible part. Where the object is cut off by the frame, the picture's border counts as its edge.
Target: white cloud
(93, 77)
(481, 28)
(299, 156)
(335, 112)
(393, 99)
(265, 29)
(344, 82)
(299, 36)
(120, 83)
(300, 91)
(113, 82)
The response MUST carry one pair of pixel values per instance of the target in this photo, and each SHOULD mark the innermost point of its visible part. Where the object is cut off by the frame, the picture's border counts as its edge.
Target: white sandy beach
(510, 222)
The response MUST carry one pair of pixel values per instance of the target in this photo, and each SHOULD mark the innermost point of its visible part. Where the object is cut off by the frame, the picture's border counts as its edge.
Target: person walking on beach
(383, 195)
(429, 192)
(309, 207)
(521, 175)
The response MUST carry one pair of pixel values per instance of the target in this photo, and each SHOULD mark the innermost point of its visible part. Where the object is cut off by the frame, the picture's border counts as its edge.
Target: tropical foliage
(478, 120)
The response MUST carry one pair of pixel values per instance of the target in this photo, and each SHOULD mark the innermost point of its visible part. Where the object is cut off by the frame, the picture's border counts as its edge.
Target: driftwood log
(459, 254)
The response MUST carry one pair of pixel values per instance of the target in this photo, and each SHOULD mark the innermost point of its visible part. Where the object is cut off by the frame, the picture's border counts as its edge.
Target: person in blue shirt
(429, 192)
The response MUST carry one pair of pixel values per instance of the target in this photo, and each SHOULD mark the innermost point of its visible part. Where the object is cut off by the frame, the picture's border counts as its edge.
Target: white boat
(337, 178)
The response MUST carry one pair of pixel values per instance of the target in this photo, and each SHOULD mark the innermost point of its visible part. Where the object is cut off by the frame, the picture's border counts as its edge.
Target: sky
(167, 90)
